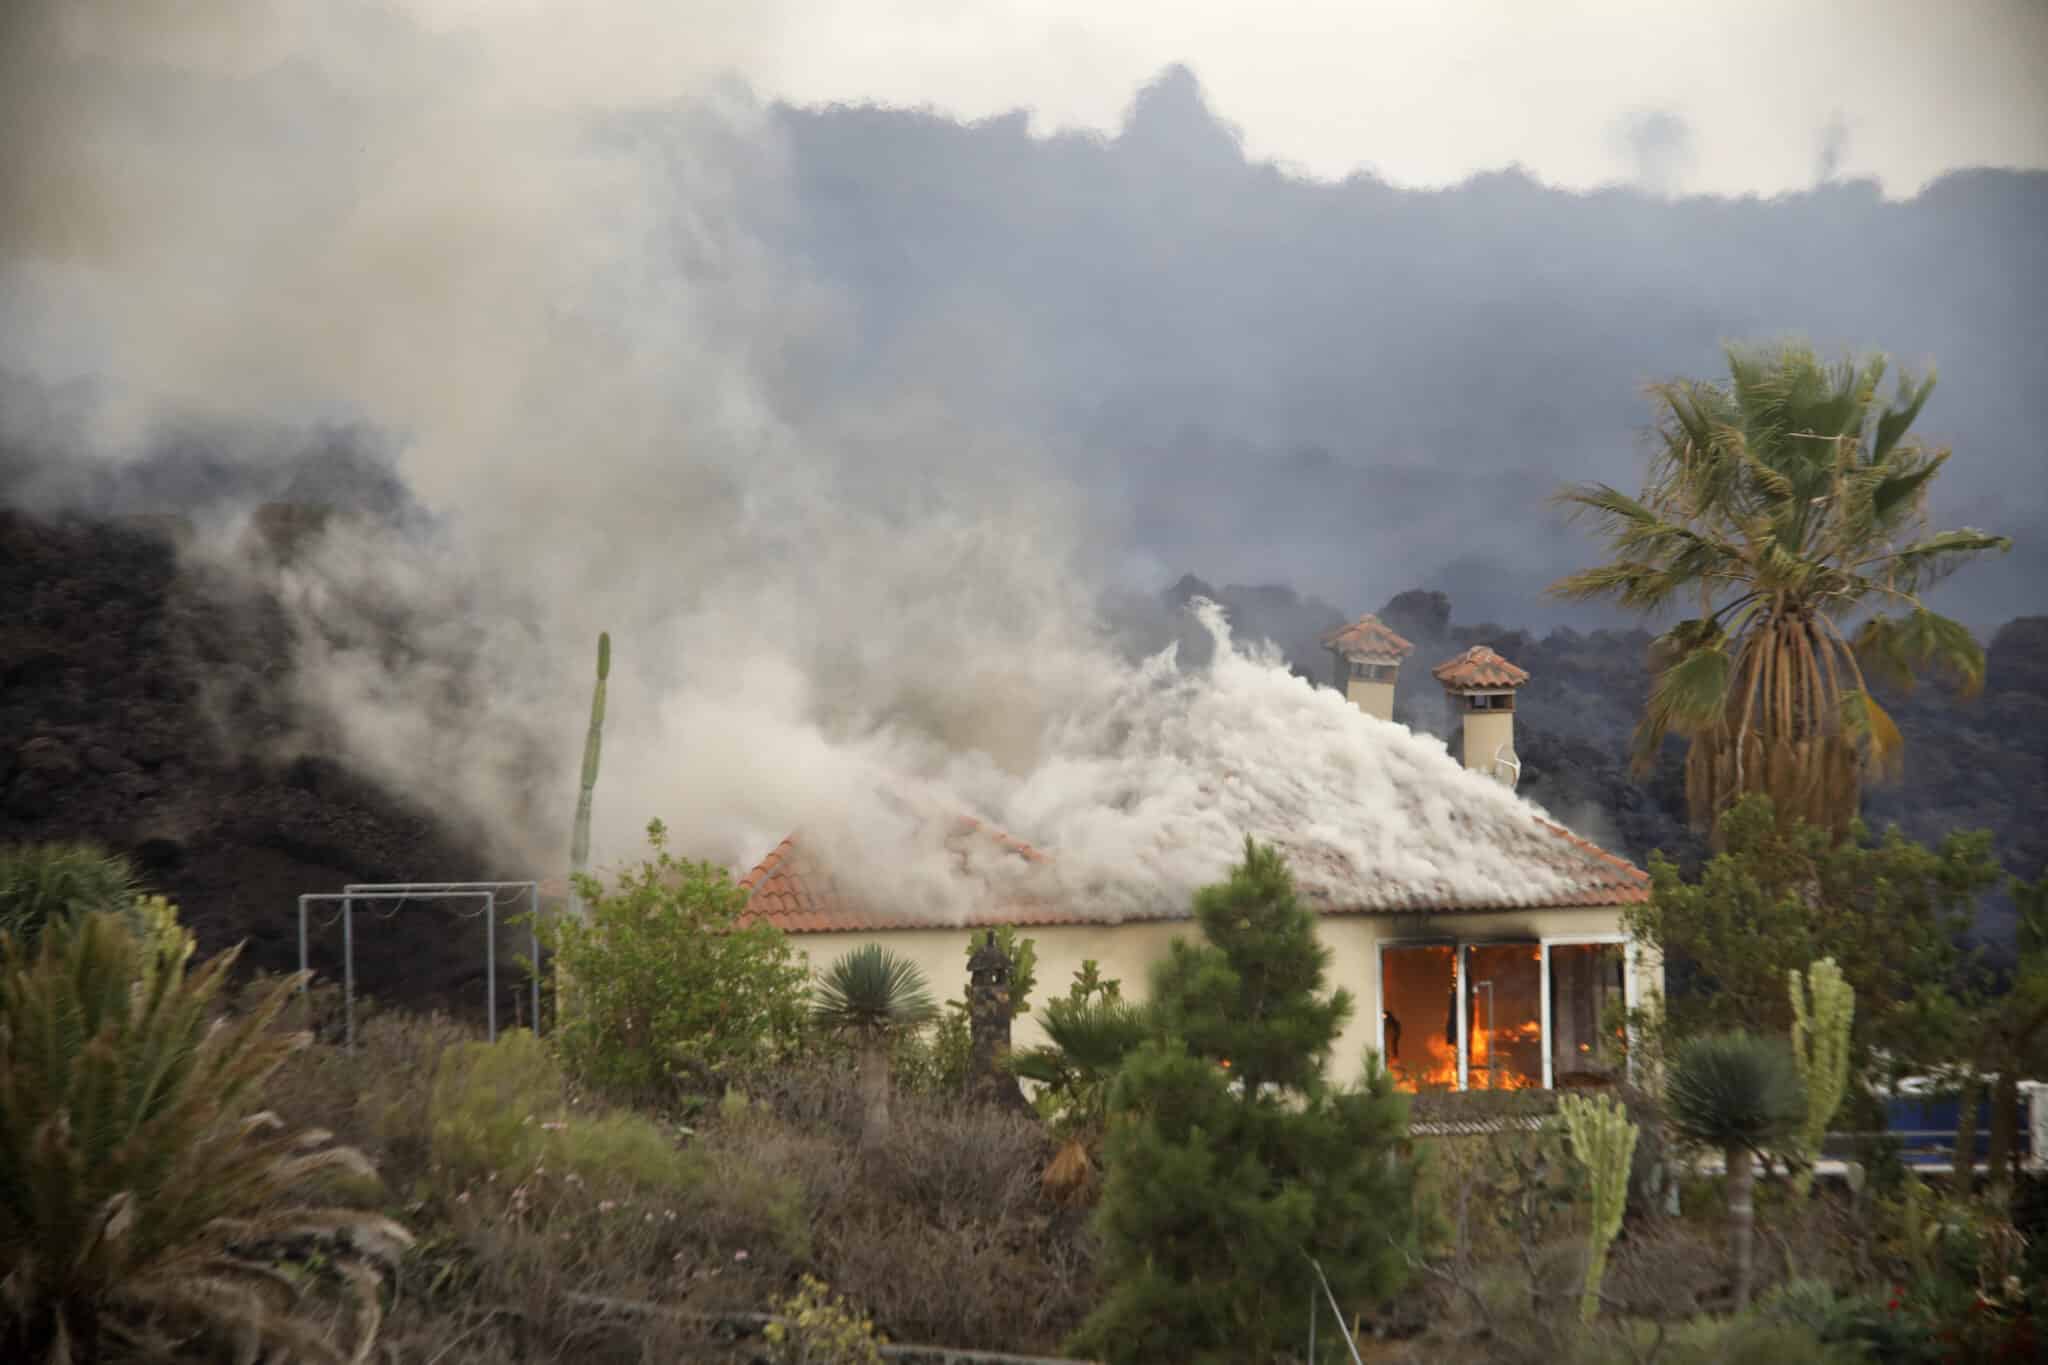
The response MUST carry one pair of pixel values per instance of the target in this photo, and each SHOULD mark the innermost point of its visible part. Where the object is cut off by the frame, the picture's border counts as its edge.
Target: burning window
(1419, 1015)
(1585, 980)
(1502, 995)
(1505, 1032)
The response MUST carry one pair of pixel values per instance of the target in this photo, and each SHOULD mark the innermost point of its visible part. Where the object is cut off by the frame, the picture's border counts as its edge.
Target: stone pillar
(988, 1020)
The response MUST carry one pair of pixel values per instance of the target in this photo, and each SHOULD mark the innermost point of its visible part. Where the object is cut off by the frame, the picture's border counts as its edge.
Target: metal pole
(491, 961)
(1313, 1305)
(533, 938)
(305, 975)
(1342, 1330)
(348, 969)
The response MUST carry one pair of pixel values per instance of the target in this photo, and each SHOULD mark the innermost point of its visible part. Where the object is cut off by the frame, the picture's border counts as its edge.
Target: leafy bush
(933, 1060)
(143, 1190)
(818, 1327)
(501, 1109)
(670, 991)
(42, 882)
(1744, 1339)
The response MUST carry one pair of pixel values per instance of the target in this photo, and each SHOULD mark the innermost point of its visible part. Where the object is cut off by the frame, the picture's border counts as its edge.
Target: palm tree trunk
(874, 1092)
(1742, 1219)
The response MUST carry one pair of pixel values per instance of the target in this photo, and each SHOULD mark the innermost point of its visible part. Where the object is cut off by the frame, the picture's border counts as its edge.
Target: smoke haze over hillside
(846, 421)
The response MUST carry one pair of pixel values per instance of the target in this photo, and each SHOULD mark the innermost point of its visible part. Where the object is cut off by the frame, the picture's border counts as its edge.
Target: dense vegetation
(531, 1198)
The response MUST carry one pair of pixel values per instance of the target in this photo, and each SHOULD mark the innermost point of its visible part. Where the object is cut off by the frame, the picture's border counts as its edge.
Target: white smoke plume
(497, 234)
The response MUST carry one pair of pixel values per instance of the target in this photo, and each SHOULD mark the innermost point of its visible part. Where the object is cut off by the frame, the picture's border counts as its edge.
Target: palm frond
(1897, 648)
(1094, 1036)
(1913, 568)
(1899, 415)
(1735, 1090)
(1883, 747)
(136, 1174)
(1687, 696)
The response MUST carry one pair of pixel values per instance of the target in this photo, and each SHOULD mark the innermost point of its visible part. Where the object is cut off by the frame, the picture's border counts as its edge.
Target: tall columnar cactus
(1823, 1008)
(1604, 1141)
(593, 742)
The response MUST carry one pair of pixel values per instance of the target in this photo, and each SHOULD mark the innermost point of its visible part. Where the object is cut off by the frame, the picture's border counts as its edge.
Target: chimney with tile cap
(1481, 687)
(1368, 659)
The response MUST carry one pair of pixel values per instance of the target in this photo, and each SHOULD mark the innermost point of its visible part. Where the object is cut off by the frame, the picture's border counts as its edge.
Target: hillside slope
(145, 706)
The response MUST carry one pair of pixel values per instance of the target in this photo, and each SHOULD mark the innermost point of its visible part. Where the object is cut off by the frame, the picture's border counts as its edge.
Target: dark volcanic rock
(119, 667)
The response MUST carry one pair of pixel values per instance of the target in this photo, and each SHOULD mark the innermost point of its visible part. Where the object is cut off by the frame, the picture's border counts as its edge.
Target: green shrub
(817, 1327)
(42, 882)
(502, 1109)
(671, 992)
(145, 1193)
(933, 1060)
(1743, 1339)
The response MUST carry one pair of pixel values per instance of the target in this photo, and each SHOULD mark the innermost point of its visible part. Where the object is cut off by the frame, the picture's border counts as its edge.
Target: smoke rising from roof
(837, 420)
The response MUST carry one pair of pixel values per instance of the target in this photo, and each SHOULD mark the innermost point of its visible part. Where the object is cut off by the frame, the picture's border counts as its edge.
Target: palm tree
(1742, 1094)
(1088, 1041)
(144, 1194)
(873, 995)
(1781, 506)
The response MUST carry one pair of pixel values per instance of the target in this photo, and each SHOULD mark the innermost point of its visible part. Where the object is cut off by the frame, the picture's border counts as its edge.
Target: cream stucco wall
(1485, 732)
(1127, 952)
(1373, 698)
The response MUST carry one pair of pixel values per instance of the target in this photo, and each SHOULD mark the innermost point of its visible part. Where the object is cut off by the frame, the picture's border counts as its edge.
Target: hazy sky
(1428, 91)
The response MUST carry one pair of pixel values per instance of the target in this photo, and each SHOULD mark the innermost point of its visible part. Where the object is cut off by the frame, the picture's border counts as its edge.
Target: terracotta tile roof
(1367, 638)
(789, 888)
(1479, 666)
(792, 890)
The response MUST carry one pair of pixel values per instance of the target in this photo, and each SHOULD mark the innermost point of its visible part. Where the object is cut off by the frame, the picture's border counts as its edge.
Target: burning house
(1508, 980)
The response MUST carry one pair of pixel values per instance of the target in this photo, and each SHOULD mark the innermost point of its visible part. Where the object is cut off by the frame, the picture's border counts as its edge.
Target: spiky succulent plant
(145, 1195)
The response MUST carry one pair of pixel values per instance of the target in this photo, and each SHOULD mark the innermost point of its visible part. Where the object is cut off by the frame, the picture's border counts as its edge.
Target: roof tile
(1479, 666)
(1368, 638)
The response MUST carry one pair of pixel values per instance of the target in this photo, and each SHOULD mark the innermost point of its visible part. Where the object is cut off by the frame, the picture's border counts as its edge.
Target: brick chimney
(1481, 687)
(1368, 659)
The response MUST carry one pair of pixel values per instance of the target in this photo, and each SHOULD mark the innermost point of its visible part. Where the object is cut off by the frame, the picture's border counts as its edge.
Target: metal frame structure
(529, 891)
(401, 892)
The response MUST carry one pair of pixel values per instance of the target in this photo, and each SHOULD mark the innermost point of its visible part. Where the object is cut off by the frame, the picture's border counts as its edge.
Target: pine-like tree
(1231, 1161)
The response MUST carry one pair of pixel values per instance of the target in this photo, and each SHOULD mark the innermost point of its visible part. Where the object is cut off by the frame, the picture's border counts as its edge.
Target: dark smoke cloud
(1356, 388)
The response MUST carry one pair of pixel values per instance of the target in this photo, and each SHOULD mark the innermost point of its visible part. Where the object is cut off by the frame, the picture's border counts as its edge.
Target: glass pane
(1585, 980)
(1418, 1012)
(1506, 1030)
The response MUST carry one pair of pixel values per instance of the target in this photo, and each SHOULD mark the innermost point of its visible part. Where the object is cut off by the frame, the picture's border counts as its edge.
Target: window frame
(1461, 979)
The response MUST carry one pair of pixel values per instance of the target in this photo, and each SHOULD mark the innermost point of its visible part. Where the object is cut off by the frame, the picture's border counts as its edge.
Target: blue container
(1925, 1125)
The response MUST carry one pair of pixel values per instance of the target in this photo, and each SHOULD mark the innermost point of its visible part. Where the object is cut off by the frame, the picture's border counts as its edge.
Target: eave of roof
(788, 890)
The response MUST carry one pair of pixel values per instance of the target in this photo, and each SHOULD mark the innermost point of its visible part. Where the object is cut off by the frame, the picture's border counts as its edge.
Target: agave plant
(1742, 1094)
(873, 995)
(1088, 1041)
(145, 1197)
(42, 882)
